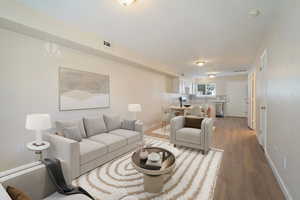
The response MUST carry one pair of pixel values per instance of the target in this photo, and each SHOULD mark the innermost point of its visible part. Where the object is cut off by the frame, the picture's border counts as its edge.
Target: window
(206, 89)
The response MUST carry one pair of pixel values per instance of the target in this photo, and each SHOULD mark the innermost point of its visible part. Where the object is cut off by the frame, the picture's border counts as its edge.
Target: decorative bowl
(154, 157)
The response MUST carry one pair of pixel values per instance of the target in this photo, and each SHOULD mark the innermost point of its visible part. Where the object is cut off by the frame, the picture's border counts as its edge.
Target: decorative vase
(143, 154)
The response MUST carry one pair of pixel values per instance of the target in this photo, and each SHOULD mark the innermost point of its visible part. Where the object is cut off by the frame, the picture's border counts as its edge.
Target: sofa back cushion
(60, 125)
(112, 122)
(94, 126)
(16, 194)
(72, 133)
(193, 122)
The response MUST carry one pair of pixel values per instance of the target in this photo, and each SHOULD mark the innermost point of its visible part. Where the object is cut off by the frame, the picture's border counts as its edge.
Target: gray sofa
(197, 138)
(33, 180)
(101, 142)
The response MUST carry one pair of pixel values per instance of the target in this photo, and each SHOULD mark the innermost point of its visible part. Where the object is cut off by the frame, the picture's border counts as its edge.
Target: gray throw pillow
(72, 133)
(60, 125)
(94, 126)
(112, 122)
(128, 125)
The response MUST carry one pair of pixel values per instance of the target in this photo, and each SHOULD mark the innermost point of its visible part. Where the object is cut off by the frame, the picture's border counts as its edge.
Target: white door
(263, 104)
(237, 92)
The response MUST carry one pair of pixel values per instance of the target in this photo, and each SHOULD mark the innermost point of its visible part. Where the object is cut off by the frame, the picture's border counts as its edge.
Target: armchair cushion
(190, 135)
(113, 142)
(112, 122)
(90, 150)
(131, 136)
(94, 126)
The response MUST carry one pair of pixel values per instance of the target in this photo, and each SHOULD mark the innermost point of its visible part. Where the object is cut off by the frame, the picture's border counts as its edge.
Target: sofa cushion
(90, 150)
(113, 142)
(131, 136)
(72, 133)
(128, 124)
(94, 126)
(190, 135)
(57, 196)
(60, 125)
(112, 122)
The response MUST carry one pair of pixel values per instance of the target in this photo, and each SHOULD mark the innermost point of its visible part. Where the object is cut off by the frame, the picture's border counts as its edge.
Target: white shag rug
(193, 178)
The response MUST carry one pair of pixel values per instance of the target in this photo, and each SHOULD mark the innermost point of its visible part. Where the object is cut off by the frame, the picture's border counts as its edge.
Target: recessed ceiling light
(212, 75)
(200, 63)
(254, 12)
(126, 2)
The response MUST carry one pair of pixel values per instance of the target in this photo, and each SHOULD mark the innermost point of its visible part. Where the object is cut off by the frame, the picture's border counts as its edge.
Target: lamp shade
(38, 122)
(134, 107)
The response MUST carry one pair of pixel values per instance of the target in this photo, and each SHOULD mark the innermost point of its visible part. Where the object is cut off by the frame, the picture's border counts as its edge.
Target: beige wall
(29, 84)
(283, 95)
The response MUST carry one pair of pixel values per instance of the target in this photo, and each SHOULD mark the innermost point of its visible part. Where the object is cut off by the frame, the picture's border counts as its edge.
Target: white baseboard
(279, 179)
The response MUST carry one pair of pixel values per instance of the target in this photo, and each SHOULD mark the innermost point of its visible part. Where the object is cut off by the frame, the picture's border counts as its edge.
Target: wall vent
(240, 70)
(106, 44)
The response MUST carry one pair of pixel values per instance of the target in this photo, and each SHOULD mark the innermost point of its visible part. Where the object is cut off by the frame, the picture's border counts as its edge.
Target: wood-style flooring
(245, 173)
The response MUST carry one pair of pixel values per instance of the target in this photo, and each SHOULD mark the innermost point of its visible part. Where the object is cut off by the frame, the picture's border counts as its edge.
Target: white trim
(279, 179)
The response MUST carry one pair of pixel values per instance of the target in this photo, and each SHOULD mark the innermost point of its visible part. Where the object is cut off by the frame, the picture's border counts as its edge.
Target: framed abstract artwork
(82, 90)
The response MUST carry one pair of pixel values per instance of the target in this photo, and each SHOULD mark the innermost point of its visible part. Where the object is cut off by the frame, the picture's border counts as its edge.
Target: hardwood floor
(244, 173)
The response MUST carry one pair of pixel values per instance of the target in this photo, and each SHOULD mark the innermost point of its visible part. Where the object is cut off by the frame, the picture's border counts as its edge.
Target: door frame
(252, 100)
(263, 108)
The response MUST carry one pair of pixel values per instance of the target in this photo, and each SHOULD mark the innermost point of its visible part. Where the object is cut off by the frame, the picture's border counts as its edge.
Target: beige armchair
(197, 138)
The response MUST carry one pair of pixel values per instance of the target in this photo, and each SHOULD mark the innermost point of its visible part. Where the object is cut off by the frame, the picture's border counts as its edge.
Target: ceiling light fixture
(126, 2)
(200, 63)
(212, 75)
(254, 12)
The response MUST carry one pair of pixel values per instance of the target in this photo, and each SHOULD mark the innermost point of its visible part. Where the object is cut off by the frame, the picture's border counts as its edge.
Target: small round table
(38, 149)
(154, 178)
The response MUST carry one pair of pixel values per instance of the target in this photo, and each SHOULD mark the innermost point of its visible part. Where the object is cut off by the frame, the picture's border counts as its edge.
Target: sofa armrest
(68, 152)
(3, 193)
(139, 127)
(207, 129)
(176, 124)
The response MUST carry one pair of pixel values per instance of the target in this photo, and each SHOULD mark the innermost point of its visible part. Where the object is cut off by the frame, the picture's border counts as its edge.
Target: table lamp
(134, 108)
(38, 123)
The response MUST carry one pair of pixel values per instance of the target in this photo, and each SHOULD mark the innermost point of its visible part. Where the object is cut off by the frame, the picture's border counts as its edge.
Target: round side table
(38, 149)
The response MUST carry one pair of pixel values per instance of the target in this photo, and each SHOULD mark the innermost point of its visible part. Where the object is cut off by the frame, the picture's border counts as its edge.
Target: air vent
(240, 70)
(106, 44)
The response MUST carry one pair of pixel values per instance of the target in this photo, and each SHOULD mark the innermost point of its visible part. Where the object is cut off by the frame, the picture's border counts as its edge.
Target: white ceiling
(174, 33)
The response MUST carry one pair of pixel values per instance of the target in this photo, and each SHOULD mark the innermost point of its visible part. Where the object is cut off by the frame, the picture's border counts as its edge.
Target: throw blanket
(56, 175)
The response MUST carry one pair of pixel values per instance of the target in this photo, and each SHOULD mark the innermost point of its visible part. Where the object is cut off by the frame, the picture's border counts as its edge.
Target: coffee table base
(153, 184)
